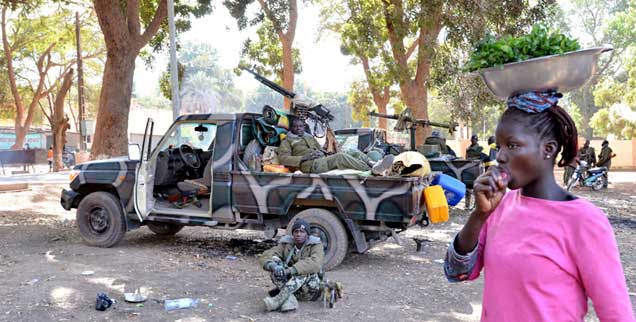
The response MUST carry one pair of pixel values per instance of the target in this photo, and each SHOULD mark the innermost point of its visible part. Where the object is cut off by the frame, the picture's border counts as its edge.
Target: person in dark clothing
(475, 151)
(605, 158)
(587, 154)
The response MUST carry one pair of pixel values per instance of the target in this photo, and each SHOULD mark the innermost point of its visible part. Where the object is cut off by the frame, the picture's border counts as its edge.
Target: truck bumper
(68, 198)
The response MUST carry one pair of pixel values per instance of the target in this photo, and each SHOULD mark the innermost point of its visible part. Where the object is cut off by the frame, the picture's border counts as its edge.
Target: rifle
(405, 120)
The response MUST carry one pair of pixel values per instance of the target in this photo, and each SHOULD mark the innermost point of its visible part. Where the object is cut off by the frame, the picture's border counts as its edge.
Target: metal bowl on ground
(563, 73)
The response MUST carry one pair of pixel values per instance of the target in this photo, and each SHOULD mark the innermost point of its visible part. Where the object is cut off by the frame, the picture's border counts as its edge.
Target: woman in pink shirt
(543, 251)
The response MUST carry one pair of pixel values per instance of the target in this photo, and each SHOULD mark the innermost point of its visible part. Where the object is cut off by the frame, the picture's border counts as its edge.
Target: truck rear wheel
(332, 233)
(164, 228)
(100, 219)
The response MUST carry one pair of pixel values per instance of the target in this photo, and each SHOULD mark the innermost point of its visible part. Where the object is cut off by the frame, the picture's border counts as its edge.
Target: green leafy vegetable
(539, 42)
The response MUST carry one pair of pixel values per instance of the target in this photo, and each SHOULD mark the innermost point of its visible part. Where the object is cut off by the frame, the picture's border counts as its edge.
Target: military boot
(275, 302)
(289, 305)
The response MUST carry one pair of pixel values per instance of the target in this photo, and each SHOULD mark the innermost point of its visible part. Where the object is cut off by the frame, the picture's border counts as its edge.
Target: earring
(547, 156)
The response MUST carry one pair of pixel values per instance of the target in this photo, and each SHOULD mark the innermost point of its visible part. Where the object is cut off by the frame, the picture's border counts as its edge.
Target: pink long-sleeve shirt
(542, 259)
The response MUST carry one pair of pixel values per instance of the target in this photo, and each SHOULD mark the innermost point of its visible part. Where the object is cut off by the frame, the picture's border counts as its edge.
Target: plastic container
(185, 303)
(436, 205)
(454, 190)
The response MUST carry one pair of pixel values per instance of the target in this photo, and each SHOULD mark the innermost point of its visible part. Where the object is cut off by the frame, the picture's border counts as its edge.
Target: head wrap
(301, 224)
(534, 101)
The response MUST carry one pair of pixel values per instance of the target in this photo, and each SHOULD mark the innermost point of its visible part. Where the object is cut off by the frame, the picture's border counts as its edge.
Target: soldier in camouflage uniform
(295, 265)
(302, 151)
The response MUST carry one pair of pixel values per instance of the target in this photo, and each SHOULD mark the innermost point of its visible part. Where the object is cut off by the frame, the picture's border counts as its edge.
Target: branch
(411, 49)
(427, 42)
(397, 46)
(272, 18)
(132, 9)
(293, 17)
(44, 112)
(160, 15)
(8, 55)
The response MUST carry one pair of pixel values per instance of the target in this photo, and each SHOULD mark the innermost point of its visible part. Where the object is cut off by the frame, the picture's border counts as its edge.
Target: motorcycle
(596, 178)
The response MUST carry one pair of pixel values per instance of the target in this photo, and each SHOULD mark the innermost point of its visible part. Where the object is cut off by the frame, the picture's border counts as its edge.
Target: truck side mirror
(134, 152)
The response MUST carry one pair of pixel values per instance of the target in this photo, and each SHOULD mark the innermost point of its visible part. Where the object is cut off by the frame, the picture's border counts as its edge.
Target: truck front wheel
(332, 233)
(100, 219)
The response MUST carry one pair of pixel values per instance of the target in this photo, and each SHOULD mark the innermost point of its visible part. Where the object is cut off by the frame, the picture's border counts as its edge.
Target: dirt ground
(42, 257)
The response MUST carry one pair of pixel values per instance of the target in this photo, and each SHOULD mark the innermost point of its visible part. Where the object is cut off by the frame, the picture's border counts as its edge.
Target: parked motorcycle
(596, 178)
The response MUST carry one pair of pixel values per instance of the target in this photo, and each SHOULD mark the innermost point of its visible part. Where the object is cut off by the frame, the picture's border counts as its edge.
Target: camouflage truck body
(363, 210)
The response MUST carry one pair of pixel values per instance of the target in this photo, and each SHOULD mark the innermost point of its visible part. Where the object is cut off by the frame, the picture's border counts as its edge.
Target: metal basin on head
(563, 73)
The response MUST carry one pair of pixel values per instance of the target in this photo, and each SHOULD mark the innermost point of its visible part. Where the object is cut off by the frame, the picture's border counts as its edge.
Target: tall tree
(34, 54)
(363, 38)
(412, 31)
(592, 18)
(58, 119)
(281, 18)
(121, 24)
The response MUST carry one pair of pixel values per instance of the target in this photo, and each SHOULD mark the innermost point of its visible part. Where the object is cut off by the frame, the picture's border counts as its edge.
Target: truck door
(144, 178)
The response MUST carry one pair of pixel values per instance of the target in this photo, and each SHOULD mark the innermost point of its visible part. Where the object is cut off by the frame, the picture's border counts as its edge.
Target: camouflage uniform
(475, 152)
(294, 147)
(588, 155)
(305, 284)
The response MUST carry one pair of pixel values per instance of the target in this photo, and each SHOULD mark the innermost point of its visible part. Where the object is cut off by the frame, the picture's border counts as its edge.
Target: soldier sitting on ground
(295, 265)
(302, 151)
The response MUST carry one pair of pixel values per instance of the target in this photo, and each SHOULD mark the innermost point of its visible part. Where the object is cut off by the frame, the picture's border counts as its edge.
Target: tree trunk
(111, 135)
(20, 135)
(60, 123)
(415, 97)
(382, 110)
(584, 99)
(288, 69)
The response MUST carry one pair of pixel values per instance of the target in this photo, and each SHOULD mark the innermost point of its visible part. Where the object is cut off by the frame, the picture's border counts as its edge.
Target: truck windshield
(196, 135)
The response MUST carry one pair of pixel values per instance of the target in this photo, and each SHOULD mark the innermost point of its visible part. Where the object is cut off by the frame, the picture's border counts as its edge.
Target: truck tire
(100, 219)
(332, 231)
(164, 228)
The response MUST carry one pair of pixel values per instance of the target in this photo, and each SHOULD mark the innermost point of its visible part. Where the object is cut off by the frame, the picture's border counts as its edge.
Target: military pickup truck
(204, 154)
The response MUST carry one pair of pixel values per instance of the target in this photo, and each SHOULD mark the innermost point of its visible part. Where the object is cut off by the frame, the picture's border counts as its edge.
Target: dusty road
(42, 258)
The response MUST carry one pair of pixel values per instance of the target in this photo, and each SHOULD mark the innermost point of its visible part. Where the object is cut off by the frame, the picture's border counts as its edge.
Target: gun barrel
(387, 116)
(281, 90)
(420, 122)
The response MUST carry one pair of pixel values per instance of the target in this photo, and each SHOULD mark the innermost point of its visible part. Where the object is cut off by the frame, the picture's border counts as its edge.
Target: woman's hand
(489, 189)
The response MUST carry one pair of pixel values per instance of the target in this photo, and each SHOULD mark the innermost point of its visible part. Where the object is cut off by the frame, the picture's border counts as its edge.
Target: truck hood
(107, 164)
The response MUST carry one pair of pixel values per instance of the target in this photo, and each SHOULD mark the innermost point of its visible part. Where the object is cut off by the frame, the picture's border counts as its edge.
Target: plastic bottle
(185, 303)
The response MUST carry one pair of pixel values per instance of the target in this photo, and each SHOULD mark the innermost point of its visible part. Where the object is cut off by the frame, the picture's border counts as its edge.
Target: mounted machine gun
(405, 120)
(315, 114)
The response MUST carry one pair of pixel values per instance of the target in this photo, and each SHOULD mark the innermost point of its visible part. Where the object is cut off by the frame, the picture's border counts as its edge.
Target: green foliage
(618, 120)
(600, 122)
(165, 87)
(361, 103)
(265, 55)
(204, 85)
(539, 42)
(184, 12)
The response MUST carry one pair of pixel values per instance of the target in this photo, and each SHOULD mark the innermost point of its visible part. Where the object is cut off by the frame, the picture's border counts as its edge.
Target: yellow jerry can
(436, 204)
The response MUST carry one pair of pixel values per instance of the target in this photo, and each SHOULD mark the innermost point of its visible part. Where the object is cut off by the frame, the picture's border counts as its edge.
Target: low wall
(625, 151)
